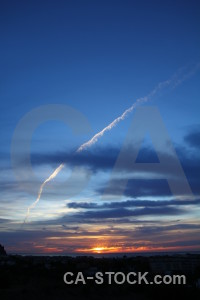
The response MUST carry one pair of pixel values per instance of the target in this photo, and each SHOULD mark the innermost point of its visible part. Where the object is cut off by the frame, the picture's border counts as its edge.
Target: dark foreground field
(39, 277)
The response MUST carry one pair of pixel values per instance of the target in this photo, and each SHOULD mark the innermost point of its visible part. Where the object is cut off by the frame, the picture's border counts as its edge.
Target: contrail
(95, 138)
(53, 175)
(175, 80)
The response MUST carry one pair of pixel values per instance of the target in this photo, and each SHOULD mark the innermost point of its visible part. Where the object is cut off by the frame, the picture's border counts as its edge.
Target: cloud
(137, 188)
(132, 203)
(193, 139)
(164, 234)
(123, 212)
(2, 221)
(100, 159)
(104, 158)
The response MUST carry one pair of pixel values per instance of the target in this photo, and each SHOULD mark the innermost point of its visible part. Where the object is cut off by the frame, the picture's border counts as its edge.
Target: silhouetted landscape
(41, 277)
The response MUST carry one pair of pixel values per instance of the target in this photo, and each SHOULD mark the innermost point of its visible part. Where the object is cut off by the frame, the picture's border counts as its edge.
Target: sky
(67, 70)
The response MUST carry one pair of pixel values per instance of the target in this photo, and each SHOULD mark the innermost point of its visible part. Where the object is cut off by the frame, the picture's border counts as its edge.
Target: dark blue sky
(97, 57)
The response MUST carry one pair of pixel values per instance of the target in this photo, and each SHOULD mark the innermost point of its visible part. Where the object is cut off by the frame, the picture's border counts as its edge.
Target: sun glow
(98, 249)
(120, 249)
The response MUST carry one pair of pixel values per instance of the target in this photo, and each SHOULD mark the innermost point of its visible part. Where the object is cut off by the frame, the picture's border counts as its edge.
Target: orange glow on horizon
(112, 249)
(100, 249)
(121, 249)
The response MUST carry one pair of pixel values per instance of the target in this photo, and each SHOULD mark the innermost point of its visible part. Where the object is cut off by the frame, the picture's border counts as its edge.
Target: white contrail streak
(52, 176)
(174, 80)
(139, 101)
